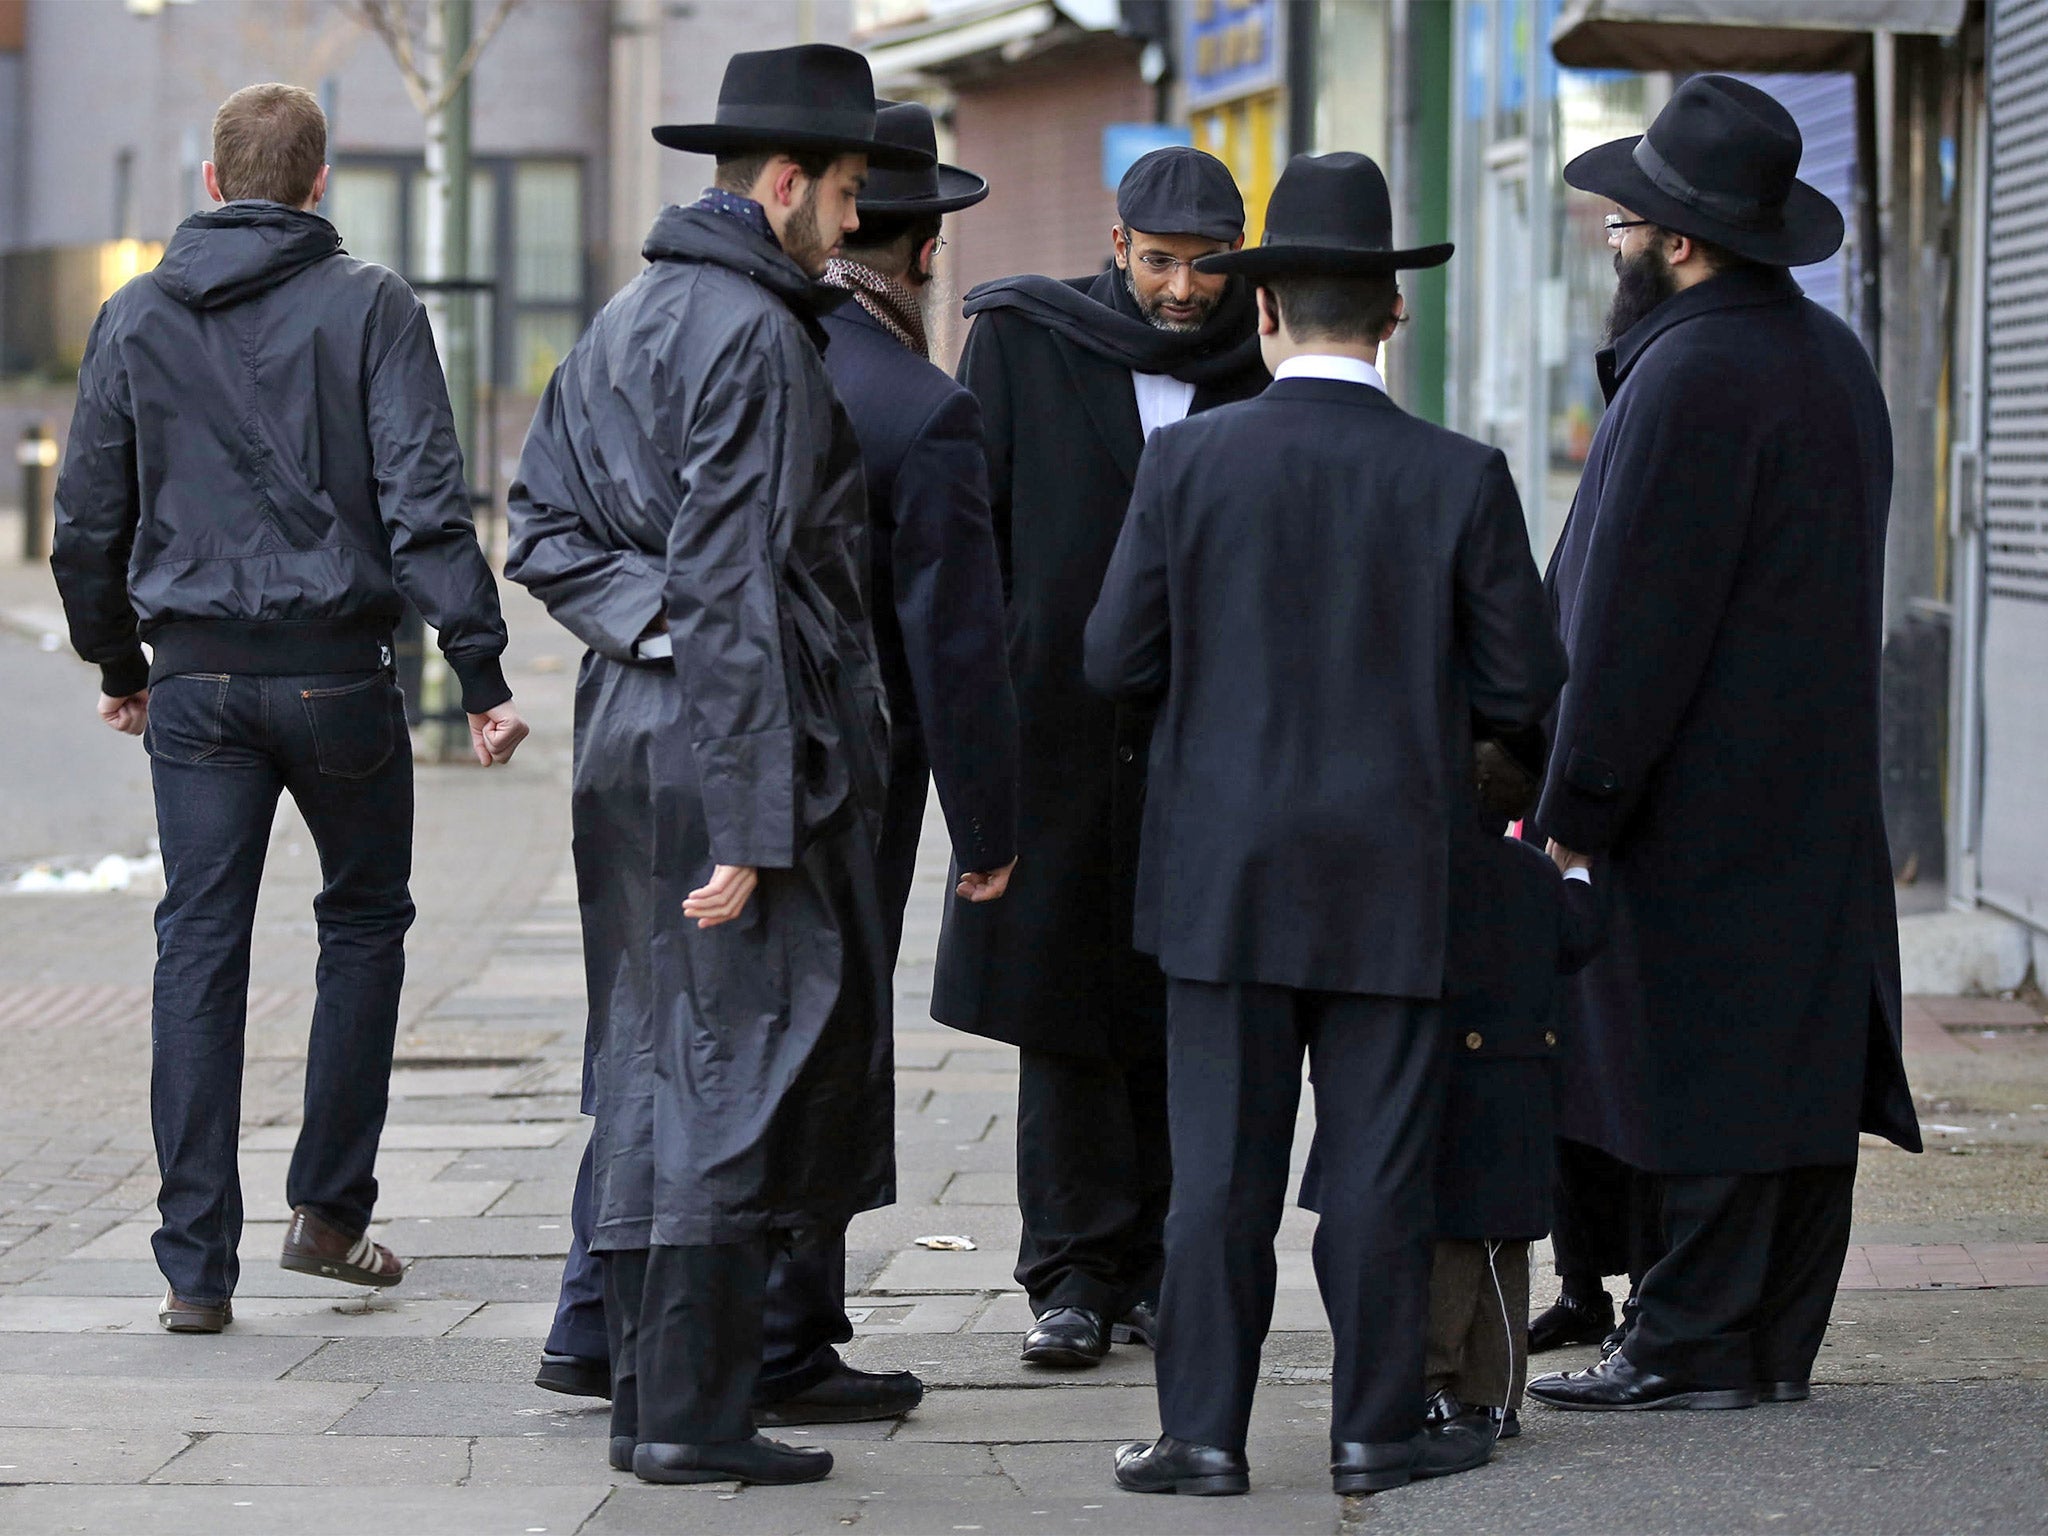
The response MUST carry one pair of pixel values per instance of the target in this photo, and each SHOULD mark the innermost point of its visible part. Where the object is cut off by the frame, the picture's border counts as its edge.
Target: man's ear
(787, 185)
(1120, 248)
(1400, 314)
(1237, 244)
(1269, 313)
(924, 258)
(320, 186)
(212, 179)
(1681, 250)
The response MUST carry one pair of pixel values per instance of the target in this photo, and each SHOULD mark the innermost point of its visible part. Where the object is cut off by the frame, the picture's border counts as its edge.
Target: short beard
(802, 241)
(1642, 285)
(1159, 321)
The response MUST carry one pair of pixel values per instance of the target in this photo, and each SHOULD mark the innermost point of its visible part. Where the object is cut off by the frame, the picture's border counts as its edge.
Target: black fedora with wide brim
(811, 97)
(1809, 228)
(1330, 216)
(933, 188)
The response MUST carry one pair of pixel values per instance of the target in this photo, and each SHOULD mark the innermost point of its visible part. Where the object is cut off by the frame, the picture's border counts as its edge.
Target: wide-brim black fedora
(1330, 216)
(812, 96)
(937, 188)
(1720, 164)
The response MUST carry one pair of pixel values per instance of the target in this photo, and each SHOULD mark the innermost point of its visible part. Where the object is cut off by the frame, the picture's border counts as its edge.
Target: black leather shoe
(574, 1376)
(1507, 1424)
(1438, 1451)
(1783, 1391)
(1616, 1386)
(847, 1396)
(1446, 1407)
(759, 1460)
(1611, 1345)
(1167, 1465)
(1140, 1325)
(1569, 1321)
(1066, 1336)
(621, 1455)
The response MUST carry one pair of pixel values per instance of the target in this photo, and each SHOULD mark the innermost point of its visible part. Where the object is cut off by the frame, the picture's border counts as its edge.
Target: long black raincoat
(690, 460)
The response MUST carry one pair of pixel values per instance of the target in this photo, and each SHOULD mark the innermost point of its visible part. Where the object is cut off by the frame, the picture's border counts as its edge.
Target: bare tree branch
(392, 22)
(466, 65)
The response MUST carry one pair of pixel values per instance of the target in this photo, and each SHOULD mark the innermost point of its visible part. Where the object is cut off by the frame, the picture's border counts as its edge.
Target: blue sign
(1123, 144)
(1231, 48)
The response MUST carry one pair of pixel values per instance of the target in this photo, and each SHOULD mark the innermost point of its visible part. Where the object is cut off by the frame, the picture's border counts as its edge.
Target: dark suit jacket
(1323, 590)
(1720, 588)
(935, 592)
(1051, 966)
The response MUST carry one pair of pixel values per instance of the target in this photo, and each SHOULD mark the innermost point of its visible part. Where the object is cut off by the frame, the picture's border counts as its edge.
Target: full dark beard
(1641, 286)
(1154, 318)
(801, 239)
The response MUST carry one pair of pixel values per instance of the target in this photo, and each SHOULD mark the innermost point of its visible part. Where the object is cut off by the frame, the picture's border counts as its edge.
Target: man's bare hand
(128, 715)
(986, 884)
(496, 733)
(1567, 859)
(724, 898)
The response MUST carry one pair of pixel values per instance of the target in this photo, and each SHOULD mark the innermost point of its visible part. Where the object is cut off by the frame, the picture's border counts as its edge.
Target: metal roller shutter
(2014, 838)
(1824, 107)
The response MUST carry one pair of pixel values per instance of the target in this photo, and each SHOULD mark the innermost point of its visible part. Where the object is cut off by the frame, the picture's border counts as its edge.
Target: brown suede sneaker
(181, 1316)
(313, 1245)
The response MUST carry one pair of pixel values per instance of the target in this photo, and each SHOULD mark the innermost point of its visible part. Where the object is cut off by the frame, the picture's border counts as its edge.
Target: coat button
(1550, 1037)
(1126, 755)
(1473, 1041)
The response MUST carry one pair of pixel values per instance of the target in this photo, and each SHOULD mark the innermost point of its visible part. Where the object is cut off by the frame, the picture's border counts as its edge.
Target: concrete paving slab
(548, 1196)
(458, 1135)
(130, 1240)
(503, 1362)
(918, 1269)
(521, 1461)
(255, 1316)
(141, 1282)
(322, 1461)
(1076, 1483)
(477, 1237)
(1016, 1415)
(508, 1320)
(164, 1511)
(185, 1404)
(483, 1279)
(84, 1455)
(995, 1187)
(472, 1408)
(452, 1082)
(912, 1315)
(222, 1356)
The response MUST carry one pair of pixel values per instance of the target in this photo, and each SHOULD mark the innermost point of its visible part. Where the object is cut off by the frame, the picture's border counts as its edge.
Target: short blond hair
(269, 142)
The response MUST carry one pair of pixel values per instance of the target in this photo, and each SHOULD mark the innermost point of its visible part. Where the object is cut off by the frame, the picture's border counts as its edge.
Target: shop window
(362, 203)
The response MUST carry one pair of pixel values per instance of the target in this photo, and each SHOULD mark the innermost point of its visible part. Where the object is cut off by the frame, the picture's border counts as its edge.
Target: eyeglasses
(1616, 226)
(1159, 264)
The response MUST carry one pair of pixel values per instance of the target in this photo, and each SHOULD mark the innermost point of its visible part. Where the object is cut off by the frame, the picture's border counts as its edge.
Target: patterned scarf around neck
(890, 300)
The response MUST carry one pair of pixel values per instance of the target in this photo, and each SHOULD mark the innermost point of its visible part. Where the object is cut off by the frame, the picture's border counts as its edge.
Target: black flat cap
(1180, 191)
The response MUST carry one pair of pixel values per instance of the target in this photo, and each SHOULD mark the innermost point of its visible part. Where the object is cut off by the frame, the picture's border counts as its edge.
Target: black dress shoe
(759, 1460)
(1616, 1386)
(1167, 1465)
(1439, 1451)
(1568, 1321)
(1446, 1407)
(1140, 1325)
(1783, 1391)
(847, 1396)
(574, 1375)
(1067, 1336)
(1611, 1345)
(1507, 1424)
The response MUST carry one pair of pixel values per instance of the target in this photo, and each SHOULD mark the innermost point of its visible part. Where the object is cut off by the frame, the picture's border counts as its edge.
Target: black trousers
(1744, 1287)
(1379, 1066)
(685, 1325)
(1093, 1179)
(896, 854)
(1606, 1219)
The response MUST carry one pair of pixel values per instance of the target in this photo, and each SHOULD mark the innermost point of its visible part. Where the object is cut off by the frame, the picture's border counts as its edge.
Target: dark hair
(1335, 308)
(883, 230)
(269, 141)
(738, 172)
(1718, 258)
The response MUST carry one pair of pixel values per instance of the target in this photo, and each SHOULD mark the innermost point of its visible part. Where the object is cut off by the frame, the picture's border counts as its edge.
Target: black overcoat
(936, 600)
(1324, 590)
(690, 462)
(1720, 589)
(1518, 928)
(1051, 965)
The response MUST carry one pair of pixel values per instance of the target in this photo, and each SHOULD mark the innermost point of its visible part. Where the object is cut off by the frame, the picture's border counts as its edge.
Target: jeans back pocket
(187, 715)
(354, 729)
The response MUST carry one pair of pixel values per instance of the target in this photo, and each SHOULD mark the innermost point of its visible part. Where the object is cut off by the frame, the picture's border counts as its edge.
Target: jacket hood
(700, 234)
(235, 252)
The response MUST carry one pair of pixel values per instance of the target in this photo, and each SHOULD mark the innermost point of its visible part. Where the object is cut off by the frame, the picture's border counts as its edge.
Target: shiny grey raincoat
(690, 463)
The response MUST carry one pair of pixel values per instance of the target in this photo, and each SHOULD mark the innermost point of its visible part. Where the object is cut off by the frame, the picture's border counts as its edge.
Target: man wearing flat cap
(1719, 587)
(1071, 377)
(690, 503)
(1326, 600)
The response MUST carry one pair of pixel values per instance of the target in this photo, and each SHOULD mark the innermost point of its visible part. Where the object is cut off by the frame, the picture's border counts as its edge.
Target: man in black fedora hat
(1326, 599)
(1719, 587)
(690, 503)
(1071, 377)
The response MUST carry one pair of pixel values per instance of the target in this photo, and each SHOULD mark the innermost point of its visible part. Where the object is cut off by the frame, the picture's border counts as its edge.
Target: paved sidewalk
(324, 1409)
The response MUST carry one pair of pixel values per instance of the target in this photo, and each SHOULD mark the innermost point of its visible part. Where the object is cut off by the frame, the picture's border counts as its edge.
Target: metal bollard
(37, 456)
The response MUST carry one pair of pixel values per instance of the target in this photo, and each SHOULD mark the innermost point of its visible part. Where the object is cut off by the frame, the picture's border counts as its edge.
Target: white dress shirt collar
(1323, 365)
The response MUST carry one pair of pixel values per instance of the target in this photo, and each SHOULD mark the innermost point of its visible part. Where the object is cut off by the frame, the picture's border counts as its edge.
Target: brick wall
(1035, 131)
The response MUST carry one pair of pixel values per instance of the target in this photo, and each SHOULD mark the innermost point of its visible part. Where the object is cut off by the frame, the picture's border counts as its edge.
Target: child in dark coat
(1518, 927)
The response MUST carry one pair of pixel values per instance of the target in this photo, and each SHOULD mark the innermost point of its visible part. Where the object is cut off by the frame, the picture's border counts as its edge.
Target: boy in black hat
(690, 503)
(1319, 593)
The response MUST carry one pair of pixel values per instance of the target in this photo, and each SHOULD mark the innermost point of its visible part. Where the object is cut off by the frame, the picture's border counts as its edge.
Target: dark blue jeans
(221, 751)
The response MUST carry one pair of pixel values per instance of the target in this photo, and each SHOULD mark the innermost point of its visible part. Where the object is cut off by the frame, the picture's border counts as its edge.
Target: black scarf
(1101, 315)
